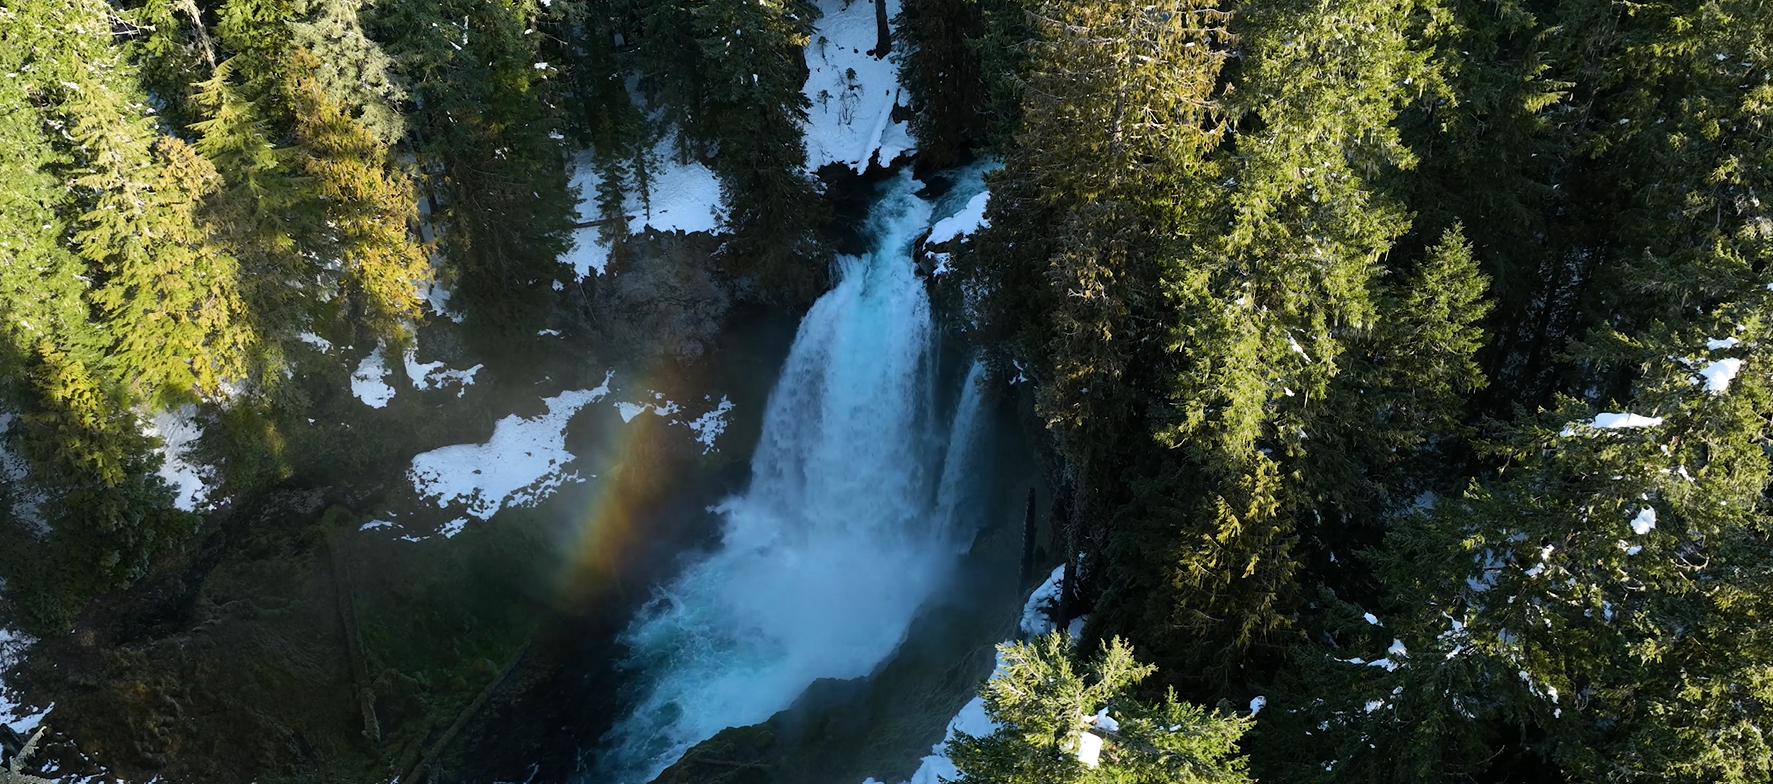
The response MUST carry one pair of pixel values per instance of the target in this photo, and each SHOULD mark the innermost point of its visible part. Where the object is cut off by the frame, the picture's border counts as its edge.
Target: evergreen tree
(1264, 290)
(263, 212)
(368, 203)
(728, 75)
(941, 67)
(1116, 122)
(1051, 710)
(1393, 424)
(352, 71)
(487, 145)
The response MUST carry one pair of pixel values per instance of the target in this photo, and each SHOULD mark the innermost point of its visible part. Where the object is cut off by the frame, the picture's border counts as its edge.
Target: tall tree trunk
(883, 45)
(1027, 543)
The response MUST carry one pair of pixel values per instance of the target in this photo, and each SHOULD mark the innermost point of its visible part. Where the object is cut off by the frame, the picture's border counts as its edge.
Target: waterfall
(847, 527)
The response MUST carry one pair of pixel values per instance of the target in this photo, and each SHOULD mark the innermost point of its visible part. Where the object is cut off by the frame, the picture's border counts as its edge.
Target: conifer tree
(368, 203)
(1264, 292)
(1044, 700)
(487, 144)
(112, 302)
(1117, 119)
(728, 75)
(352, 71)
(1393, 424)
(941, 67)
(262, 212)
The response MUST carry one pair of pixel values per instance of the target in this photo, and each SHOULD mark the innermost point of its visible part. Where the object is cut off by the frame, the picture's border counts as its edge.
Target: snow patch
(523, 463)
(369, 382)
(1035, 621)
(177, 431)
(429, 375)
(1644, 522)
(1089, 749)
(710, 425)
(1257, 703)
(1718, 375)
(1718, 344)
(680, 196)
(27, 502)
(1613, 421)
(13, 714)
(971, 218)
(319, 343)
(853, 90)
(437, 296)
(937, 767)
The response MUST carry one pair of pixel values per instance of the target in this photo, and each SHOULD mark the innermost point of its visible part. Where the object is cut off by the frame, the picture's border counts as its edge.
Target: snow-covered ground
(370, 383)
(853, 88)
(26, 501)
(428, 375)
(681, 196)
(523, 463)
(177, 431)
(20, 718)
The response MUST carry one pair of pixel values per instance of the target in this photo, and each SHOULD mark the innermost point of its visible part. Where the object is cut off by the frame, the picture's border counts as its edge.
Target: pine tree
(1045, 701)
(1393, 425)
(942, 69)
(728, 74)
(262, 212)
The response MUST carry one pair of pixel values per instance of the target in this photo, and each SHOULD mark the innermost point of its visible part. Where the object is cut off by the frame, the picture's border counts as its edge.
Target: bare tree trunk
(883, 45)
(341, 580)
(1027, 543)
(203, 42)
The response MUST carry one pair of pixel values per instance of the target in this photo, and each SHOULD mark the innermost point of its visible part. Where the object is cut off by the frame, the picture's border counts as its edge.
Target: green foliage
(369, 206)
(1043, 699)
(352, 71)
(941, 67)
(728, 74)
(484, 132)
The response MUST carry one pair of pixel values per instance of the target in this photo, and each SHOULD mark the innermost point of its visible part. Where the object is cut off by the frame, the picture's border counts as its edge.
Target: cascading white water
(848, 525)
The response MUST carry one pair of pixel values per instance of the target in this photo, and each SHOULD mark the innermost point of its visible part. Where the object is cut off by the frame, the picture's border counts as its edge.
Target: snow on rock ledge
(853, 90)
(521, 464)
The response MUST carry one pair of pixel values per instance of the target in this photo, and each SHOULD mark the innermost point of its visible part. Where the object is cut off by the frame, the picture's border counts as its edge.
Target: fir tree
(487, 145)
(352, 71)
(1051, 710)
(368, 203)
